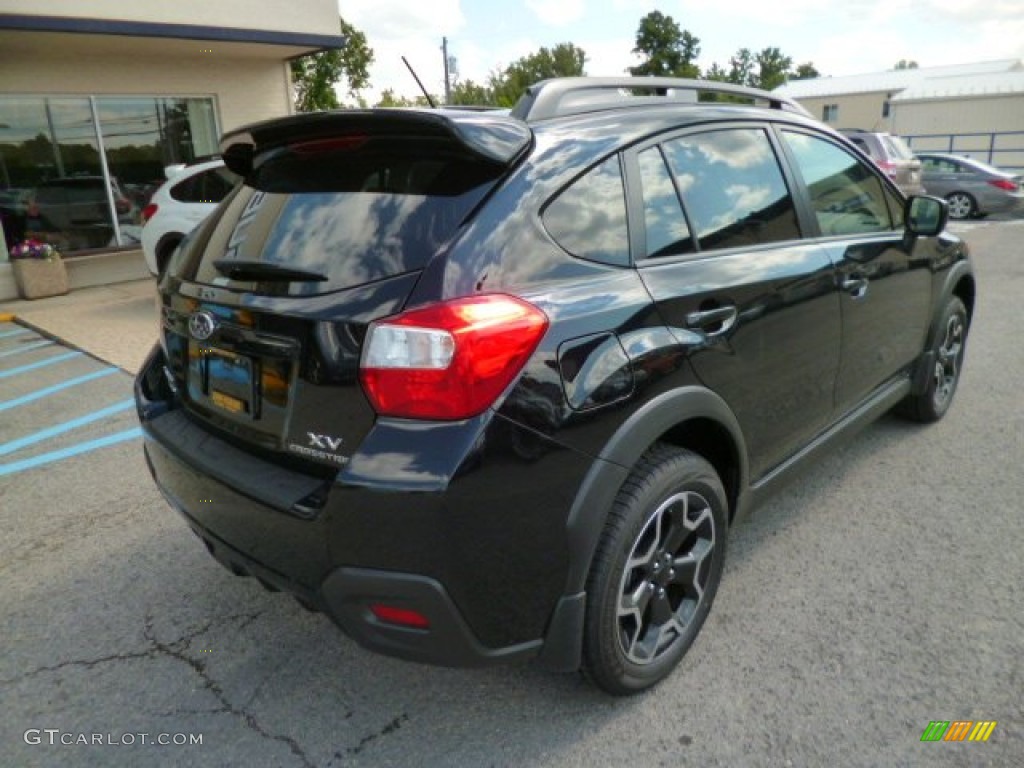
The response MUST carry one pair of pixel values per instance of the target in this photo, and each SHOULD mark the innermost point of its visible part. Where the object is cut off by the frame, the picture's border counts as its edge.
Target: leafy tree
(741, 67)
(772, 69)
(472, 93)
(904, 64)
(805, 71)
(314, 77)
(507, 85)
(388, 98)
(667, 50)
(716, 73)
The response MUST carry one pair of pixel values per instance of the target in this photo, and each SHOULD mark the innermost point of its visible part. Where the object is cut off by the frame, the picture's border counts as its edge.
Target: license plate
(228, 380)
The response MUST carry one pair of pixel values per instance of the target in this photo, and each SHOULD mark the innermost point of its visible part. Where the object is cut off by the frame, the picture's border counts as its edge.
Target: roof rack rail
(563, 96)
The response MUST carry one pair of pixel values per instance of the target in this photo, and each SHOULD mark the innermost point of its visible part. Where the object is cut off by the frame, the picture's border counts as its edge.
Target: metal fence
(1003, 149)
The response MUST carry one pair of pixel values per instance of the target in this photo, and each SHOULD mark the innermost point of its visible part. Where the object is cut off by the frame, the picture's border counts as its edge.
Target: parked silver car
(972, 188)
(893, 155)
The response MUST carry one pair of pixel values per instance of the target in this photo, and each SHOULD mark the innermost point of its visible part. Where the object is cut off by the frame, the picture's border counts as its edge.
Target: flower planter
(39, 278)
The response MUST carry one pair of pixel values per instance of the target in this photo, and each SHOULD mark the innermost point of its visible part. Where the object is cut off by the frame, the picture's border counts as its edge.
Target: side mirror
(925, 215)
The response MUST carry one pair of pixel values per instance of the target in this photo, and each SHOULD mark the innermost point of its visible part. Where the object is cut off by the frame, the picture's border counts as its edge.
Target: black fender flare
(563, 639)
(957, 273)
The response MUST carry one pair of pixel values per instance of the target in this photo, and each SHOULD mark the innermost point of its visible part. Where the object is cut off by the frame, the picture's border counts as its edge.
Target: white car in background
(189, 195)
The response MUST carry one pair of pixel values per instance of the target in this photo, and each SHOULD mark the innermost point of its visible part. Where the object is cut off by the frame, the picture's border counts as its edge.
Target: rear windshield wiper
(263, 271)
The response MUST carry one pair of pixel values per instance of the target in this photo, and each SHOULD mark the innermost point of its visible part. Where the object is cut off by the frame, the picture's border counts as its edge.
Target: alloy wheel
(665, 577)
(947, 363)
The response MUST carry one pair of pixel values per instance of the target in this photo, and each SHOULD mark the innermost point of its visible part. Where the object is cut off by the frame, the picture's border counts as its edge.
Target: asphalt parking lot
(880, 592)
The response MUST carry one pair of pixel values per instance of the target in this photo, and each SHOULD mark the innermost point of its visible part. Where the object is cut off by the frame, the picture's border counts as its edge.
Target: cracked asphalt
(881, 591)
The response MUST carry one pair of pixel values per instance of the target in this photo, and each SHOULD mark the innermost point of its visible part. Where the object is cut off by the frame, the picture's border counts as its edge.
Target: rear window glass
(897, 147)
(588, 219)
(209, 186)
(353, 211)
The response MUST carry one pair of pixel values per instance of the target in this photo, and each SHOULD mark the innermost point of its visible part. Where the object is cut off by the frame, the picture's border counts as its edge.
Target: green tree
(904, 64)
(667, 50)
(772, 69)
(507, 85)
(805, 71)
(388, 98)
(474, 94)
(716, 73)
(314, 77)
(741, 67)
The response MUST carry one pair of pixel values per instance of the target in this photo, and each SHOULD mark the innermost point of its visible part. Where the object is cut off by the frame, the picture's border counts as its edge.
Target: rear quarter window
(588, 218)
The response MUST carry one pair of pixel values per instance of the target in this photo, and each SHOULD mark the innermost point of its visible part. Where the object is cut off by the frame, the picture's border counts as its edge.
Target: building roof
(88, 26)
(897, 80)
(964, 86)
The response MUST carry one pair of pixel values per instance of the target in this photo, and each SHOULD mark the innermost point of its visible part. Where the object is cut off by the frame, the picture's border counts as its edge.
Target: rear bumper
(485, 558)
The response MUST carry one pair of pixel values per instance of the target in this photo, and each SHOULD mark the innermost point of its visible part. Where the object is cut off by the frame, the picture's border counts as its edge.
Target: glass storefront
(77, 171)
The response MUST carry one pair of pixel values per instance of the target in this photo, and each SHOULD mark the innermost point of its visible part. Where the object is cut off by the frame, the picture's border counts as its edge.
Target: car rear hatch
(266, 305)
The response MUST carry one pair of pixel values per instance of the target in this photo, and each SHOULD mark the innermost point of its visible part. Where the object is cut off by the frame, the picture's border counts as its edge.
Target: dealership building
(104, 89)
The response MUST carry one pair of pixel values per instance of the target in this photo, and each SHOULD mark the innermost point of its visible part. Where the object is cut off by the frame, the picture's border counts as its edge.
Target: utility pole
(447, 78)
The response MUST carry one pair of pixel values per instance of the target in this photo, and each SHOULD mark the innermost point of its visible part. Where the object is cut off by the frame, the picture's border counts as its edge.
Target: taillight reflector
(450, 360)
(149, 211)
(402, 617)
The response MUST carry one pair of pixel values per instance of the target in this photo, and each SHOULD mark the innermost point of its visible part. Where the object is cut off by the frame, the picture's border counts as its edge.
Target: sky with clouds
(840, 38)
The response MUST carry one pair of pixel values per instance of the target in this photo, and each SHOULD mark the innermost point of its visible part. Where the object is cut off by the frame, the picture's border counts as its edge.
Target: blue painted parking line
(41, 393)
(26, 348)
(40, 364)
(74, 450)
(67, 426)
(18, 332)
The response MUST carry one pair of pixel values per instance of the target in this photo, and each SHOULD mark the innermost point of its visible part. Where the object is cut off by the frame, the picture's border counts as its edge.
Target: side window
(847, 197)
(665, 225)
(588, 218)
(732, 188)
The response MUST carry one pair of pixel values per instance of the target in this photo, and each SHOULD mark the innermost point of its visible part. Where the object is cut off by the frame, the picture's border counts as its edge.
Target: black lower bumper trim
(348, 593)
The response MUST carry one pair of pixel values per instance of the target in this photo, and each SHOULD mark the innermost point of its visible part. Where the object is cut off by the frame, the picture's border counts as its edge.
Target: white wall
(246, 90)
(307, 16)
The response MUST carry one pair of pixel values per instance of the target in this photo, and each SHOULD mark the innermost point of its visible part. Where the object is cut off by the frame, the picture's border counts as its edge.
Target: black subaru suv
(485, 387)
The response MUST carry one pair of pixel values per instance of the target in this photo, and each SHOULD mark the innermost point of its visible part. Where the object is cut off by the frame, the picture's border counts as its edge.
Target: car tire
(948, 348)
(961, 205)
(656, 570)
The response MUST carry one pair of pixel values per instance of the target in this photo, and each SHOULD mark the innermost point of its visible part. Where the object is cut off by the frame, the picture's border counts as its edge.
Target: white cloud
(557, 13)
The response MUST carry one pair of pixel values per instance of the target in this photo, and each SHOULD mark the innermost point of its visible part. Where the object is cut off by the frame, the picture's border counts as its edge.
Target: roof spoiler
(491, 138)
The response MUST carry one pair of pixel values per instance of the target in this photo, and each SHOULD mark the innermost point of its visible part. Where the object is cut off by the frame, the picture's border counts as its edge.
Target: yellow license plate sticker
(227, 402)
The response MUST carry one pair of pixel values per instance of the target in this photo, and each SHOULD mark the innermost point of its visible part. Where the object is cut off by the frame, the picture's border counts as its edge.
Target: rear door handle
(857, 287)
(713, 322)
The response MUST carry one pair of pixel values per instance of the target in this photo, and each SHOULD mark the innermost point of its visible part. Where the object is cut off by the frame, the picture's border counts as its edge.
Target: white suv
(188, 196)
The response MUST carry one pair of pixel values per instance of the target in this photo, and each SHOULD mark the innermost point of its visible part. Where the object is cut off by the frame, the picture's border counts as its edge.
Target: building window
(886, 108)
(52, 181)
(830, 113)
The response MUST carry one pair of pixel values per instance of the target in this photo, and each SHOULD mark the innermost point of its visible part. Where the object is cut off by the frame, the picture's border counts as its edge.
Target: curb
(7, 317)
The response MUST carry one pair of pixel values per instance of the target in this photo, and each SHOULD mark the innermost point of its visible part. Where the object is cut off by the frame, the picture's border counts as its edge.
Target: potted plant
(38, 270)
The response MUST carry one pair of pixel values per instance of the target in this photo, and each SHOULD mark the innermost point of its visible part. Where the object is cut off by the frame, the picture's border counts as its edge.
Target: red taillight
(888, 167)
(450, 360)
(1003, 184)
(402, 617)
(149, 212)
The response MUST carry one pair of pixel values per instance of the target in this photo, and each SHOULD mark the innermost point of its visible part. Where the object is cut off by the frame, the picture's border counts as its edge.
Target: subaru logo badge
(202, 325)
